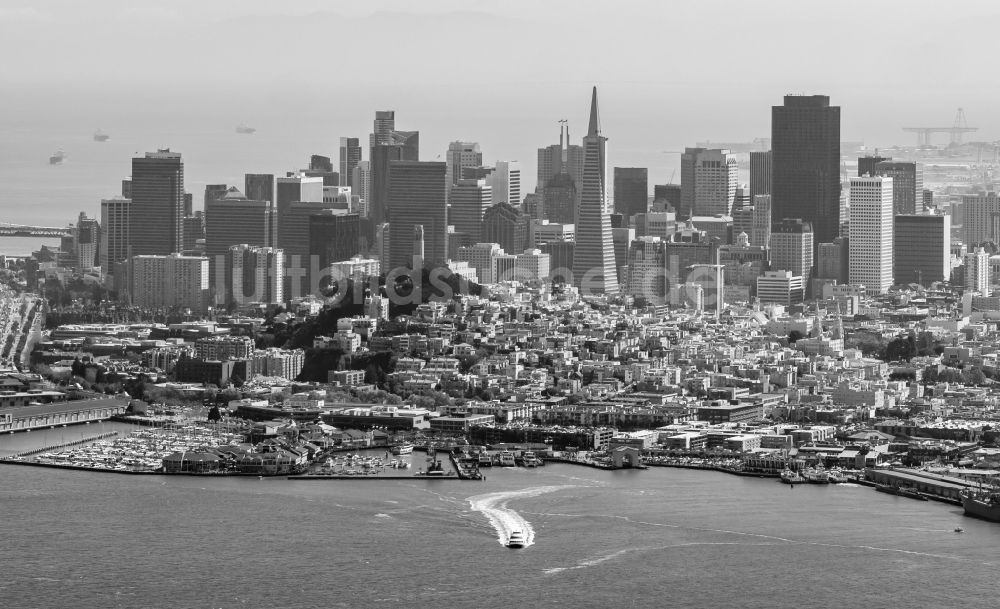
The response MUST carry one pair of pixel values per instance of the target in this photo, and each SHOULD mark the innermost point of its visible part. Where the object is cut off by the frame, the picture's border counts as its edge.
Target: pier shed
(938, 485)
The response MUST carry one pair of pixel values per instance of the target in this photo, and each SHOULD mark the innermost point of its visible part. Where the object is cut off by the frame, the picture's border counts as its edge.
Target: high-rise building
(621, 238)
(194, 231)
(792, 247)
(293, 229)
(395, 146)
(115, 224)
(233, 219)
(334, 236)
(127, 188)
(761, 168)
(832, 260)
(805, 143)
(417, 193)
(361, 181)
(647, 270)
(296, 186)
(88, 242)
(780, 287)
(384, 125)
(157, 211)
(259, 187)
(350, 156)
(467, 206)
(460, 155)
(172, 281)
(480, 257)
(594, 255)
(631, 190)
(709, 178)
(213, 192)
(255, 275)
(559, 199)
(666, 195)
(760, 233)
(504, 224)
(506, 183)
(921, 248)
(981, 212)
(868, 163)
(977, 271)
(562, 158)
(870, 255)
(907, 185)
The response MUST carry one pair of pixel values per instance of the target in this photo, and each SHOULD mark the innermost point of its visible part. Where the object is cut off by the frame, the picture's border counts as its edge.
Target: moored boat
(402, 449)
(791, 477)
(983, 504)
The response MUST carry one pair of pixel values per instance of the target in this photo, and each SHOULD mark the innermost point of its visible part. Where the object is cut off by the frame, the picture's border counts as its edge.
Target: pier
(43, 449)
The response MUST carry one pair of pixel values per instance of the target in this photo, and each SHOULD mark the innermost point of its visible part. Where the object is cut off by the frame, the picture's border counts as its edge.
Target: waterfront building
(631, 190)
(593, 257)
(417, 193)
(921, 248)
(870, 255)
(172, 281)
(350, 156)
(157, 210)
(805, 143)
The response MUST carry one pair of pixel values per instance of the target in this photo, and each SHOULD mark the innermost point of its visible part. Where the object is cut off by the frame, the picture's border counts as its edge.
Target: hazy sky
(500, 72)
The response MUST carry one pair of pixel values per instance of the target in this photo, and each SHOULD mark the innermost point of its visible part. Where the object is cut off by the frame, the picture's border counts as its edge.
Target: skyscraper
(709, 178)
(868, 163)
(115, 224)
(233, 219)
(805, 142)
(393, 146)
(560, 158)
(870, 253)
(921, 248)
(350, 156)
(296, 187)
(907, 185)
(506, 225)
(459, 155)
(382, 128)
(977, 271)
(559, 199)
(259, 187)
(417, 197)
(761, 173)
(981, 213)
(792, 248)
(333, 236)
(594, 255)
(467, 206)
(631, 190)
(254, 274)
(156, 218)
(506, 183)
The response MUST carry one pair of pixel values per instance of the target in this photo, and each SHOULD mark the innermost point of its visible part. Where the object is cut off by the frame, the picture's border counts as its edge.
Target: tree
(794, 336)
(214, 415)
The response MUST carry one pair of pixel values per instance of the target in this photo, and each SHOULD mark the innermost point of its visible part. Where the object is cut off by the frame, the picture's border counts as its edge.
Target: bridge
(22, 230)
(955, 132)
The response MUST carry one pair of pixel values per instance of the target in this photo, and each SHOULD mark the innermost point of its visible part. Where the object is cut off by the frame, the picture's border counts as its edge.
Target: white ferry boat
(402, 449)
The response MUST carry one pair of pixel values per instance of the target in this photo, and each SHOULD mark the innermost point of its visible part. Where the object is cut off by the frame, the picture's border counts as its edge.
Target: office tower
(350, 156)
(709, 178)
(761, 170)
(541, 232)
(254, 275)
(460, 155)
(977, 272)
(296, 187)
(594, 256)
(780, 287)
(115, 223)
(417, 192)
(397, 146)
(742, 198)
(259, 187)
(194, 230)
(921, 248)
(381, 249)
(531, 266)
(687, 249)
(743, 262)
(157, 212)
(870, 253)
(188, 204)
(761, 221)
(127, 188)
(504, 224)
(717, 227)
(165, 282)
(647, 271)
(621, 238)
(560, 260)
(333, 236)
(467, 207)
(480, 257)
(318, 162)
(867, 164)
(384, 125)
(506, 183)
(88, 242)
(533, 206)
(666, 197)
(417, 256)
(631, 190)
(234, 219)
(743, 221)
(805, 143)
(832, 260)
(927, 196)
(361, 180)
(212, 192)
(792, 247)
(293, 229)
(907, 185)
(981, 212)
(561, 158)
(559, 199)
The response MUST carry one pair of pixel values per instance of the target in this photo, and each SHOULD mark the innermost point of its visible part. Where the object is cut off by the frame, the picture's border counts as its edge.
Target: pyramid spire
(595, 121)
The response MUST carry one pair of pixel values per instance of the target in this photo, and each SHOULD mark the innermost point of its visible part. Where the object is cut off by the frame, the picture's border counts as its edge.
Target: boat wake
(505, 520)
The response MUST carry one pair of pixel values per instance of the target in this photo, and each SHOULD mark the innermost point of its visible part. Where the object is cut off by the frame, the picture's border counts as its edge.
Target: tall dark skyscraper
(333, 237)
(350, 156)
(417, 196)
(156, 219)
(631, 190)
(761, 165)
(259, 187)
(867, 164)
(396, 146)
(805, 142)
(594, 255)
